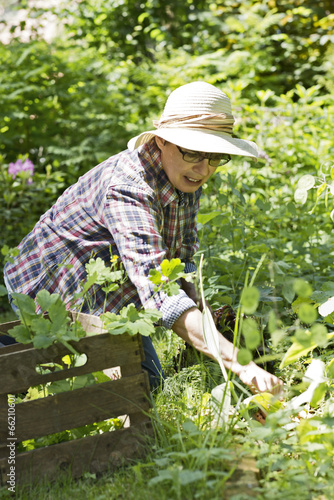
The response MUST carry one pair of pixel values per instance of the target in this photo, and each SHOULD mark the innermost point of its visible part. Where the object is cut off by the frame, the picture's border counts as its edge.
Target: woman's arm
(189, 327)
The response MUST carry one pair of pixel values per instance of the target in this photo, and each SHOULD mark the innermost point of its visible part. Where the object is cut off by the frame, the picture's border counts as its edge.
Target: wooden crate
(128, 395)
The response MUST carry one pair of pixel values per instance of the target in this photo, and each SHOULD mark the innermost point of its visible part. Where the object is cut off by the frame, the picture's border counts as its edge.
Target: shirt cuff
(174, 306)
(190, 267)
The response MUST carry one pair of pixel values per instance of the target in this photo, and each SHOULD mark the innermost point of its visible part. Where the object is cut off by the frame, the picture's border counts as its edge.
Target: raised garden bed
(126, 396)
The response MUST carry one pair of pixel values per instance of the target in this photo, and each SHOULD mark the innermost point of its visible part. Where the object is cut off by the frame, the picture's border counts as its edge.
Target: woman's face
(184, 176)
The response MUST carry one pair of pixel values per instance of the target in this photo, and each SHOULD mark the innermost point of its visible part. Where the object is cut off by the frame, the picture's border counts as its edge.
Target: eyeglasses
(215, 159)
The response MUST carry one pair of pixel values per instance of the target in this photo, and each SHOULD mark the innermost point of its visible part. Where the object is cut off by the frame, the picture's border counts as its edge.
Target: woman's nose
(202, 167)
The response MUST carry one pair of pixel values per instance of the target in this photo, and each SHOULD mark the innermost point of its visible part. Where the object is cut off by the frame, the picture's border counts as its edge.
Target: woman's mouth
(195, 181)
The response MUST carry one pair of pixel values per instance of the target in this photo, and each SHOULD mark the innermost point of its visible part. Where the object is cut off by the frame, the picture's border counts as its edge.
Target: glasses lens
(215, 161)
(192, 157)
(196, 156)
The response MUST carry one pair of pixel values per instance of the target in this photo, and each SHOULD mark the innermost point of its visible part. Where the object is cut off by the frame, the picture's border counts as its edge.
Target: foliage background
(78, 79)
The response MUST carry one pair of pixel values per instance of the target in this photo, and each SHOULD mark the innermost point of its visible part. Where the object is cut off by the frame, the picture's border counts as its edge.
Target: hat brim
(207, 141)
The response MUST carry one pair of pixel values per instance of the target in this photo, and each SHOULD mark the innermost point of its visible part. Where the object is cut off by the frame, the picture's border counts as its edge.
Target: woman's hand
(259, 380)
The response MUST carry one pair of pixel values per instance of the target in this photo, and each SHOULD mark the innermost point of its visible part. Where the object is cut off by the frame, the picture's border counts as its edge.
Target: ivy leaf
(26, 306)
(155, 276)
(171, 289)
(42, 341)
(41, 326)
(172, 269)
(58, 316)
(21, 334)
(46, 299)
(141, 326)
(131, 321)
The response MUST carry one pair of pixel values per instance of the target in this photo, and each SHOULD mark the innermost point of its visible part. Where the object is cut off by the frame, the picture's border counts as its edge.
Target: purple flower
(21, 166)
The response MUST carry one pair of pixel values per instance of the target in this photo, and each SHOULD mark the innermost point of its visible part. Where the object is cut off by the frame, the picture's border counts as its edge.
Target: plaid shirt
(125, 206)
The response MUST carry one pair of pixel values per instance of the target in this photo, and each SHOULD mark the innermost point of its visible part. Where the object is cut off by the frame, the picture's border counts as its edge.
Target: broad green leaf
(244, 356)
(26, 306)
(302, 288)
(58, 316)
(296, 304)
(319, 394)
(41, 326)
(288, 292)
(21, 334)
(155, 276)
(259, 248)
(277, 336)
(140, 326)
(300, 196)
(330, 369)
(295, 352)
(250, 299)
(3, 291)
(59, 386)
(100, 273)
(319, 334)
(83, 381)
(172, 268)
(304, 337)
(251, 333)
(171, 289)
(42, 341)
(266, 401)
(306, 182)
(307, 314)
(204, 218)
(110, 288)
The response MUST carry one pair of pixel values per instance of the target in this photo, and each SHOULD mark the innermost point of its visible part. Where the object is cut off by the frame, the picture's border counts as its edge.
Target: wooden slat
(5, 327)
(93, 454)
(71, 409)
(18, 368)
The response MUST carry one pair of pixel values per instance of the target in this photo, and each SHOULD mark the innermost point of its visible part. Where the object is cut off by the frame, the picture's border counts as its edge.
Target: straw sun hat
(198, 116)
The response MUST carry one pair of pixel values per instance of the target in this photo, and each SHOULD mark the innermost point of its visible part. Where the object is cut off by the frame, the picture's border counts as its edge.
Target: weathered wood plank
(5, 327)
(18, 368)
(95, 454)
(71, 409)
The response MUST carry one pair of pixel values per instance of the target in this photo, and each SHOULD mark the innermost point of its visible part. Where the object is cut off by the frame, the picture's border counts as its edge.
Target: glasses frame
(211, 157)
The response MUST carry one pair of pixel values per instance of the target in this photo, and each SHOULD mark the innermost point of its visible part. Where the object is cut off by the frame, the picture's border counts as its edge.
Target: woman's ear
(160, 142)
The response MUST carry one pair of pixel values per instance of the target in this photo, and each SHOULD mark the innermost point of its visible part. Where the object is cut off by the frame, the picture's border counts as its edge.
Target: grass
(190, 458)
